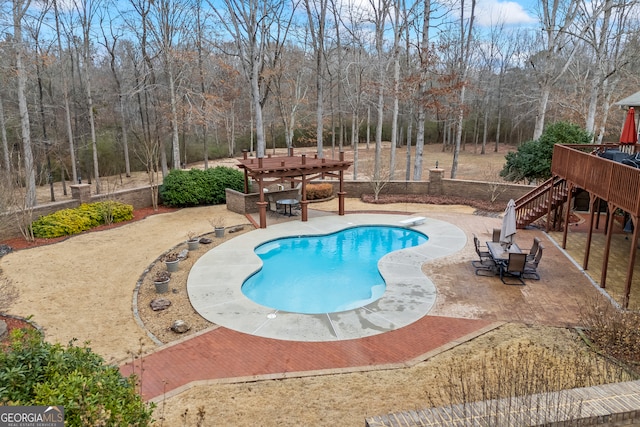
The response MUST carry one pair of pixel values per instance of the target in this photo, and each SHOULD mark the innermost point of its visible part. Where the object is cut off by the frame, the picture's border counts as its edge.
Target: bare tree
(19, 10)
(65, 96)
(560, 32)
(168, 22)
(424, 59)
(110, 42)
(317, 19)
(259, 30)
(291, 89)
(606, 38)
(380, 11)
(466, 36)
(86, 10)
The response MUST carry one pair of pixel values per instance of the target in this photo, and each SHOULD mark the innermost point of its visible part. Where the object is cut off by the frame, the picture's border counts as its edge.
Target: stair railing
(535, 204)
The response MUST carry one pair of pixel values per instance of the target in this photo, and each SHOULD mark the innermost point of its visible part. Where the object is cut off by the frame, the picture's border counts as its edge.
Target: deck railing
(609, 180)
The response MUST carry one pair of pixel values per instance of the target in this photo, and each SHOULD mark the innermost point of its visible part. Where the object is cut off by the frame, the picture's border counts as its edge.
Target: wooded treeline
(99, 87)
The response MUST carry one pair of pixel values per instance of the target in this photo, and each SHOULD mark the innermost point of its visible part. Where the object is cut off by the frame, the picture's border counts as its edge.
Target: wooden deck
(615, 183)
(608, 180)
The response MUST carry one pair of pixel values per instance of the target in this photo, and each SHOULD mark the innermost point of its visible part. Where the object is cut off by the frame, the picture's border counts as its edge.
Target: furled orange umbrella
(629, 132)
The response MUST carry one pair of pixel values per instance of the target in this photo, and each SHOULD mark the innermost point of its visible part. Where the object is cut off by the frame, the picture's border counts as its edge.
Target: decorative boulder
(180, 327)
(159, 304)
(206, 241)
(184, 254)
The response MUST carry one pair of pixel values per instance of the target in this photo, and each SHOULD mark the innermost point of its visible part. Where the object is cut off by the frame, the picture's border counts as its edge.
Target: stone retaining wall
(247, 203)
(137, 197)
(241, 203)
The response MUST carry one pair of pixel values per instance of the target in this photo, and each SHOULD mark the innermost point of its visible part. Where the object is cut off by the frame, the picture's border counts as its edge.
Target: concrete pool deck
(215, 280)
(466, 306)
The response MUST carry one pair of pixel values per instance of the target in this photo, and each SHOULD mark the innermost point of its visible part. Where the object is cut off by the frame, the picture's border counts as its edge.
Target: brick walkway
(222, 354)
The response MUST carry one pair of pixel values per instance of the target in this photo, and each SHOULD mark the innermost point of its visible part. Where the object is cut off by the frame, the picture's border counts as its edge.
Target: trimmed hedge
(319, 191)
(67, 222)
(196, 187)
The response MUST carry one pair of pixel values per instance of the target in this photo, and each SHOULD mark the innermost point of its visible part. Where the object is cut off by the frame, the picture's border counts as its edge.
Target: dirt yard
(82, 288)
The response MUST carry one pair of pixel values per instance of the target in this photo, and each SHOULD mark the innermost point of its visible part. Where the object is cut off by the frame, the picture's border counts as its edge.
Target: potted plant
(218, 225)
(193, 242)
(161, 281)
(171, 260)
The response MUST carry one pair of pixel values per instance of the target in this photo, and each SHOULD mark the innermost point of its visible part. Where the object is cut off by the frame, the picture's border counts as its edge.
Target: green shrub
(319, 191)
(35, 372)
(67, 222)
(200, 187)
(532, 161)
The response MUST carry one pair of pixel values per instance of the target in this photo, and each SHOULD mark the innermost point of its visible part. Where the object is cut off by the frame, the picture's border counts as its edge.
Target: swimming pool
(326, 273)
(215, 281)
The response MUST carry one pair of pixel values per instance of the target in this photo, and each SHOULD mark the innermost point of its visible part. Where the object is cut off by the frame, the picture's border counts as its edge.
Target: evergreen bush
(532, 161)
(200, 187)
(92, 393)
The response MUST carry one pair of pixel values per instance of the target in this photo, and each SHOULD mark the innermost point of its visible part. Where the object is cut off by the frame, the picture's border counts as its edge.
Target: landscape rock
(205, 240)
(159, 304)
(5, 249)
(4, 330)
(184, 254)
(236, 229)
(180, 327)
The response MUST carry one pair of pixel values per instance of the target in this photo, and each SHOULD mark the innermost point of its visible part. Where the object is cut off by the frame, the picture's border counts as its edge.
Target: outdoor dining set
(509, 261)
(502, 256)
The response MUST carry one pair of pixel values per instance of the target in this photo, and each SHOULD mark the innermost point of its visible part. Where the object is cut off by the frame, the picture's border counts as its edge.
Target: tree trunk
(5, 145)
(409, 137)
(19, 9)
(542, 110)
(417, 164)
(175, 140)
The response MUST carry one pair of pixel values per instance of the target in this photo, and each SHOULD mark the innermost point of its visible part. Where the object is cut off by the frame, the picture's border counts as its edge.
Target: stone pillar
(435, 181)
(81, 192)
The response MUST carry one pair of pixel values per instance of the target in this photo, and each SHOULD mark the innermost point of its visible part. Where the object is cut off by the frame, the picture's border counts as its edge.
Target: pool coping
(410, 294)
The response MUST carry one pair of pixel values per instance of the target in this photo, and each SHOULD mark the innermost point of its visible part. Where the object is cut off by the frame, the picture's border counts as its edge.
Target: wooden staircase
(535, 204)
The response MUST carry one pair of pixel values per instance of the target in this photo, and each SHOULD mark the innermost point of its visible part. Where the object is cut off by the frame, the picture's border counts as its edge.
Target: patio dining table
(288, 202)
(501, 255)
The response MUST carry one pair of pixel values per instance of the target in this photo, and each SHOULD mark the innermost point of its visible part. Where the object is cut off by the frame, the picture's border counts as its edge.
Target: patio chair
(273, 206)
(485, 261)
(534, 249)
(531, 267)
(496, 234)
(513, 269)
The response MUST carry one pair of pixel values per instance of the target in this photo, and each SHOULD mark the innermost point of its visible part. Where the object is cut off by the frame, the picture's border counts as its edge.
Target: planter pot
(172, 265)
(219, 231)
(162, 287)
(193, 244)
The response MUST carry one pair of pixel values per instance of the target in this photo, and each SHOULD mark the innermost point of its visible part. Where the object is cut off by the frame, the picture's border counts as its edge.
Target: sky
(509, 12)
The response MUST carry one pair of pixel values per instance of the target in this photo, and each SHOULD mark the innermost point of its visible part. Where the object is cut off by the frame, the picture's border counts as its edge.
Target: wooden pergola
(292, 169)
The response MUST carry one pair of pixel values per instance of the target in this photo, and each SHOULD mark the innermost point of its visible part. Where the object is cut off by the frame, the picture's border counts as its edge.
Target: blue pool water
(327, 273)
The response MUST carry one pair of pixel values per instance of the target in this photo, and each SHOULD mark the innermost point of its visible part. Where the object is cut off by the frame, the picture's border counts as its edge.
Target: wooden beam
(632, 262)
(607, 245)
(587, 250)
